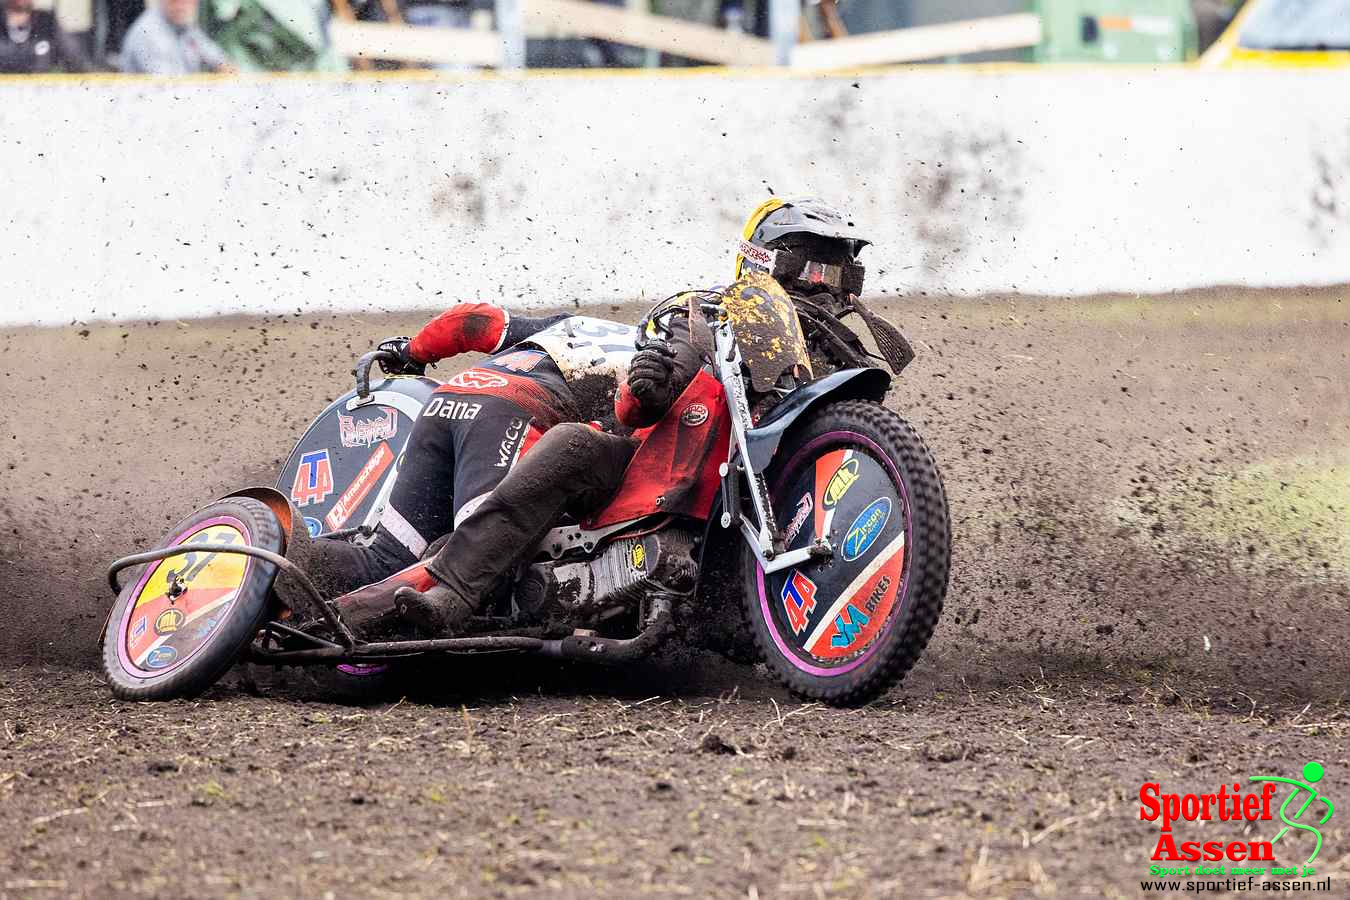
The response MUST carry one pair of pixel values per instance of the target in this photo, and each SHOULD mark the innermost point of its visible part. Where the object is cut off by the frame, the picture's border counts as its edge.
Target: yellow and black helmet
(807, 245)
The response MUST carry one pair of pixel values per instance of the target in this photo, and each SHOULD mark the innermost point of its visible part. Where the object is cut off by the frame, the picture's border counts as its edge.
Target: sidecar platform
(271, 647)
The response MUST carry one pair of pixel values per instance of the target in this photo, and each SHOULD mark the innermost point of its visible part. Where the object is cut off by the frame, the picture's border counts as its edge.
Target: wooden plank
(642, 29)
(921, 42)
(343, 10)
(382, 40)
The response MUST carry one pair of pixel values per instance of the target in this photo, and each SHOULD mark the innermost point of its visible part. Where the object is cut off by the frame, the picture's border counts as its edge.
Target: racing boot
(438, 611)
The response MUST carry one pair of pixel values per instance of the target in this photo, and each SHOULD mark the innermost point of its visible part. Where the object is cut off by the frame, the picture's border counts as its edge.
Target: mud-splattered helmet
(808, 246)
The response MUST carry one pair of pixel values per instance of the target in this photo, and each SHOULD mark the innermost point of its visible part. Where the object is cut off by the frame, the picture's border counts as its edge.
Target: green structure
(1130, 31)
(273, 35)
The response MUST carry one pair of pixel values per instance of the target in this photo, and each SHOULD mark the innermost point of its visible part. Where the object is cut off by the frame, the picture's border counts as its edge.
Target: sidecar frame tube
(386, 650)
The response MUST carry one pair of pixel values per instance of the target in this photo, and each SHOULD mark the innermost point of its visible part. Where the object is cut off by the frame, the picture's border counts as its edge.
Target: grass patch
(1295, 511)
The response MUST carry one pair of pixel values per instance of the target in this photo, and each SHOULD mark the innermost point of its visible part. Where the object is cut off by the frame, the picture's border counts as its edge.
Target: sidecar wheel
(845, 630)
(164, 641)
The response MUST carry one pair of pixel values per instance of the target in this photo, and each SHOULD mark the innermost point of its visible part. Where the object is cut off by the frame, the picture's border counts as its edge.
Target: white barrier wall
(142, 199)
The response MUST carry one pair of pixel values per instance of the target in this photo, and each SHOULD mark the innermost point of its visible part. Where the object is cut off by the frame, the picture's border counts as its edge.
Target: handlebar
(362, 369)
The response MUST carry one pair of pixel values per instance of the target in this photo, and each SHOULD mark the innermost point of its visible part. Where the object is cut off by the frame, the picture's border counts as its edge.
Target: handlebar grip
(362, 369)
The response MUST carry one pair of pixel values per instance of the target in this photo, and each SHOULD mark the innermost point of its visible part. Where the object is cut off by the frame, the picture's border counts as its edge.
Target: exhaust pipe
(615, 651)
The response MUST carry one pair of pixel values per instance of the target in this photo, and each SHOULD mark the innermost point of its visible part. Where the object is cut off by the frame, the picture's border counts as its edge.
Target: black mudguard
(847, 384)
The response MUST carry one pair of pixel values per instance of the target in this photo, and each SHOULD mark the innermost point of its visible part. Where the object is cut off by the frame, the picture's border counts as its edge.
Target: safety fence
(152, 199)
(791, 40)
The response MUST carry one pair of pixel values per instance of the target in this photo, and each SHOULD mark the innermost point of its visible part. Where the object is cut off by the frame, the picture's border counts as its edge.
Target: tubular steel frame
(589, 648)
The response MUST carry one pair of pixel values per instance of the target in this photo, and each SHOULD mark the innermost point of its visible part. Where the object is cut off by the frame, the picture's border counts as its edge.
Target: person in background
(438, 13)
(32, 41)
(167, 41)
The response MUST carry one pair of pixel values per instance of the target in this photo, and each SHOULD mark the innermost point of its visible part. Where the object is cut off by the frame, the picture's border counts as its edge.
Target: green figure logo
(1313, 772)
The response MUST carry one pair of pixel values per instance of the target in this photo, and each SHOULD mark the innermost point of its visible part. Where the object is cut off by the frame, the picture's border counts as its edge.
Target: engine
(615, 581)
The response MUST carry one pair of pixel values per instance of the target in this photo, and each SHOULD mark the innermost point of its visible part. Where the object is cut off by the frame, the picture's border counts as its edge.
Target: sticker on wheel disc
(184, 599)
(831, 613)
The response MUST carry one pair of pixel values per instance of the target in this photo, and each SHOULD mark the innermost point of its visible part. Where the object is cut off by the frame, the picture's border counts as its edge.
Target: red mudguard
(675, 469)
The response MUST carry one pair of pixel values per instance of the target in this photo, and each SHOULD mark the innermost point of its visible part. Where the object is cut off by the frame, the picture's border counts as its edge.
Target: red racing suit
(539, 372)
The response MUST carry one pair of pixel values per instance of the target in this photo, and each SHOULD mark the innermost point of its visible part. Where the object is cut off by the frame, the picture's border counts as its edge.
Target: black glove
(405, 365)
(649, 377)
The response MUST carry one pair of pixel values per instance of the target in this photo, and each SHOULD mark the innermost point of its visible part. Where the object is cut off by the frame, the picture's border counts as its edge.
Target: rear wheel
(181, 622)
(847, 629)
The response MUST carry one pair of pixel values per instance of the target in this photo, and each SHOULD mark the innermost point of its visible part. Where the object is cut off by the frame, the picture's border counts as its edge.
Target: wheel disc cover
(181, 601)
(826, 618)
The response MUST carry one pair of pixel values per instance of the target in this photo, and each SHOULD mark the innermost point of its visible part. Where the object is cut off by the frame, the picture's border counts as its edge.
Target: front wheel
(845, 630)
(184, 620)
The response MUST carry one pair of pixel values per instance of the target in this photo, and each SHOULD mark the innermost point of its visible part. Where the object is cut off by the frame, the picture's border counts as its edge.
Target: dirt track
(1152, 579)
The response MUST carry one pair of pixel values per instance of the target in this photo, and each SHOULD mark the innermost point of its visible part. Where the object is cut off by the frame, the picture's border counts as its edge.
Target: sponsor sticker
(794, 528)
(138, 629)
(354, 432)
(639, 557)
(518, 360)
(478, 380)
(161, 657)
(848, 624)
(878, 594)
(840, 482)
(863, 533)
(509, 449)
(313, 526)
(367, 478)
(873, 592)
(799, 600)
(460, 410)
(694, 414)
(314, 479)
(757, 254)
(169, 621)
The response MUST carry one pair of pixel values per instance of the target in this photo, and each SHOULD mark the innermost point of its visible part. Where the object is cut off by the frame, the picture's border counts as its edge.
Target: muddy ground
(1151, 509)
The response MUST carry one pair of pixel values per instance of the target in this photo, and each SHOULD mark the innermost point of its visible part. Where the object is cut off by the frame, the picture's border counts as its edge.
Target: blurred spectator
(273, 35)
(705, 12)
(729, 14)
(438, 13)
(568, 53)
(167, 41)
(32, 41)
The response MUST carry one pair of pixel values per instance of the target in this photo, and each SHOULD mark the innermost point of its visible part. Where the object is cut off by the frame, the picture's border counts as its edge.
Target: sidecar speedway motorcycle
(821, 509)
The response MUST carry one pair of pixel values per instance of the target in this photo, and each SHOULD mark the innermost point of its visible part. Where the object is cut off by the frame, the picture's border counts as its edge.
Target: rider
(807, 245)
(539, 372)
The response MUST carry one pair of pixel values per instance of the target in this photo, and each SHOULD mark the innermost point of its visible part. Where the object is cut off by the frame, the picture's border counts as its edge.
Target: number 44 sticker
(799, 600)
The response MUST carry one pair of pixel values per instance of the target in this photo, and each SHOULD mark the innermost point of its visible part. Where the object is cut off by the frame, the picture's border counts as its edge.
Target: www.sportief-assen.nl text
(1250, 884)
